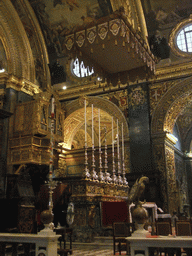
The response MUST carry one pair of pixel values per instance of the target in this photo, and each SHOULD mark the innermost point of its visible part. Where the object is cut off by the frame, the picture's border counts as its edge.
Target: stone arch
(170, 106)
(75, 116)
(16, 43)
(26, 52)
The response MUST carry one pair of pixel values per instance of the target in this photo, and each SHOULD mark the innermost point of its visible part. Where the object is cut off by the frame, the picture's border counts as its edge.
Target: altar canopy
(112, 47)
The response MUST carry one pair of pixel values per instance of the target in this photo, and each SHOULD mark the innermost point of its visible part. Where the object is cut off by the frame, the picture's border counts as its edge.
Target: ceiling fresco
(159, 14)
(59, 17)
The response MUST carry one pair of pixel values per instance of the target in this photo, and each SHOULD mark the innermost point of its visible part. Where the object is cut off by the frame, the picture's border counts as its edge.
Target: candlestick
(92, 128)
(114, 177)
(117, 138)
(94, 174)
(85, 122)
(120, 181)
(108, 179)
(51, 183)
(99, 129)
(86, 173)
(123, 160)
(112, 137)
(122, 144)
(101, 177)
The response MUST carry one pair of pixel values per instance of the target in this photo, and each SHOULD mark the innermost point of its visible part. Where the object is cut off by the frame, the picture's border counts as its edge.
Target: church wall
(188, 166)
(139, 129)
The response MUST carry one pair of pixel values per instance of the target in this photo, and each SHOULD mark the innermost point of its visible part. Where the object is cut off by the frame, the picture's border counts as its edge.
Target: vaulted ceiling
(61, 19)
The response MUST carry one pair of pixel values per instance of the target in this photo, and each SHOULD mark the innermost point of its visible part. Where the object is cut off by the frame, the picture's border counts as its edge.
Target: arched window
(180, 39)
(184, 38)
(79, 69)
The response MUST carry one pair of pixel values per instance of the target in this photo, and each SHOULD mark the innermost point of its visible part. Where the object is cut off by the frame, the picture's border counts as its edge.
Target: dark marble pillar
(139, 129)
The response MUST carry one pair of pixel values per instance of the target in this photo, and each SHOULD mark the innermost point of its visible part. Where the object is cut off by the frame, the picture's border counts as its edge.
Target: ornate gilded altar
(88, 198)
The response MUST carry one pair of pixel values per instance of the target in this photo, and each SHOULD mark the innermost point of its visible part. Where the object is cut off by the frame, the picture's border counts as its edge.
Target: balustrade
(44, 244)
(160, 245)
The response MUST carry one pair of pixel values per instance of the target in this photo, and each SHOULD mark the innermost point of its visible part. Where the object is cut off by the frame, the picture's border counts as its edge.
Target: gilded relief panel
(35, 38)
(159, 157)
(164, 117)
(80, 217)
(181, 178)
(158, 90)
(171, 179)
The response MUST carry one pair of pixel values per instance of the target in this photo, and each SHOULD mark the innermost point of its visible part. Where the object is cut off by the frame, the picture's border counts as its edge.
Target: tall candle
(99, 129)
(117, 138)
(112, 137)
(85, 122)
(52, 107)
(122, 144)
(92, 128)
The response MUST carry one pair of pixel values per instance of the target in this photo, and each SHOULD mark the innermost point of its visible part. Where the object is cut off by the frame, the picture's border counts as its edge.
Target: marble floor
(94, 249)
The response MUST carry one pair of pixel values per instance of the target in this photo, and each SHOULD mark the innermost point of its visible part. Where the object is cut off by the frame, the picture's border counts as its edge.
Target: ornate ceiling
(61, 18)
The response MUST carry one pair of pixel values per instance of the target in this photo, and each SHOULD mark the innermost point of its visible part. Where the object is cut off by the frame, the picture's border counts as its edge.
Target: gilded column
(141, 18)
(171, 179)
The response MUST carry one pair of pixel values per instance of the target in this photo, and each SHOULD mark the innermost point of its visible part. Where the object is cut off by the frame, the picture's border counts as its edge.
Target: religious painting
(163, 12)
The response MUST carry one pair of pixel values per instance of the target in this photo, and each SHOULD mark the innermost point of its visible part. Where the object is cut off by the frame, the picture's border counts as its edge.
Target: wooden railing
(44, 243)
(159, 245)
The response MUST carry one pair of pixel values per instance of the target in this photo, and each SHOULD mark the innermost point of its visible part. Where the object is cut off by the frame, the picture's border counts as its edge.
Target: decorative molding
(171, 180)
(159, 157)
(19, 84)
(18, 50)
(72, 122)
(173, 70)
(36, 43)
(172, 103)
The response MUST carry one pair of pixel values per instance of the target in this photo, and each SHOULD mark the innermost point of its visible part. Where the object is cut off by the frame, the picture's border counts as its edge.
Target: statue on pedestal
(139, 214)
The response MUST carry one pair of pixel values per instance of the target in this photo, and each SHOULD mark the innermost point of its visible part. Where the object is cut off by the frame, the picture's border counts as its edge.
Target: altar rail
(28, 244)
(160, 245)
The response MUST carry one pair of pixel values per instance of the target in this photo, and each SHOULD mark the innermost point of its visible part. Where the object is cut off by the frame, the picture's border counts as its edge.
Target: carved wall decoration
(16, 44)
(158, 90)
(28, 153)
(35, 37)
(177, 107)
(75, 116)
(33, 117)
(181, 178)
(171, 180)
(164, 117)
(80, 217)
(159, 157)
(184, 122)
(60, 172)
(91, 216)
(137, 97)
(118, 98)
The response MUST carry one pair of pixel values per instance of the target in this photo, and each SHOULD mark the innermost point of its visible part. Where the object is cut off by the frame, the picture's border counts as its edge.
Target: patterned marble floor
(93, 250)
